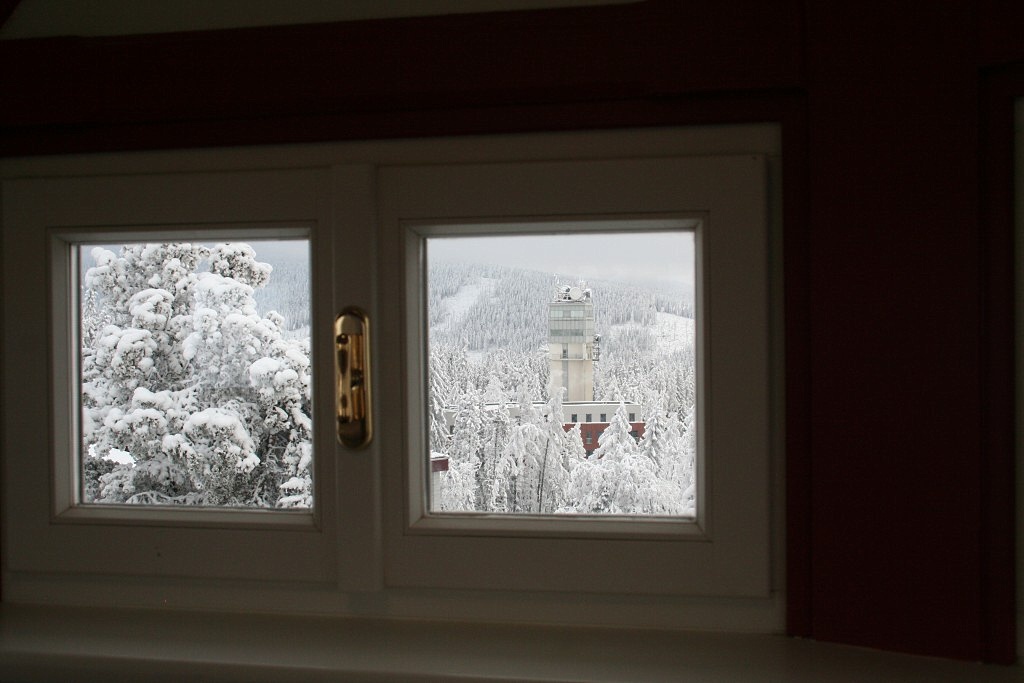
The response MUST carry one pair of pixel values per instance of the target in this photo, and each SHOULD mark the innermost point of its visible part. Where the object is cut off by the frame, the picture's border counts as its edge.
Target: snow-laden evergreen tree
(669, 445)
(518, 470)
(656, 439)
(520, 464)
(558, 458)
(458, 488)
(596, 484)
(498, 468)
(463, 482)
(190, 396)
(679, 465)
(439, 397)
(616, 442)
(619, 478)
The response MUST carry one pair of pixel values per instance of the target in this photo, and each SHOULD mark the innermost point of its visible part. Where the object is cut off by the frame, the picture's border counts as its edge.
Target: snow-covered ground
(669, 333)
(672, 332)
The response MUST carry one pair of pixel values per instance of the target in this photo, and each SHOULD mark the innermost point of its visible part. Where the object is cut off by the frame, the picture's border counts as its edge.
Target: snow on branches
(189, 394)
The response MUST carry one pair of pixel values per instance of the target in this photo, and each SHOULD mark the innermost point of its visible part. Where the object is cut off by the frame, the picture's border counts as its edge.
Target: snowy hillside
(484, 307)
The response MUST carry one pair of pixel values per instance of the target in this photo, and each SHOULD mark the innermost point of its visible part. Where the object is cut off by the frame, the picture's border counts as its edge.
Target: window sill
(58, 643)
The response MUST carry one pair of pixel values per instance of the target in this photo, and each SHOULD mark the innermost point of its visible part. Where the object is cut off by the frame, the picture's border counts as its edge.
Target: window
(369, 537)
(193, 364)
(512, 450)
(420, 204)
(101, 539)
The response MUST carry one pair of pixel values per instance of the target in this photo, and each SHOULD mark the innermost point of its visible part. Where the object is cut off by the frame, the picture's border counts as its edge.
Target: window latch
(352, 375)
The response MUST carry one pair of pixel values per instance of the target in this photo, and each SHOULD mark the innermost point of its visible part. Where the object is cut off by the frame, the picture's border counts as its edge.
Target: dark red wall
(897, 228)
(594, 430)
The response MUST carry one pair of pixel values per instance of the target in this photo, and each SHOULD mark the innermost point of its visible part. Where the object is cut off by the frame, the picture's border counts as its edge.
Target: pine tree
(616, 442)
(465, 455)
(555, 467)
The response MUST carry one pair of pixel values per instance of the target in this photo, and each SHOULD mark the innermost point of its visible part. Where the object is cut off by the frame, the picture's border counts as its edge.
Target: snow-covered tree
(617, 440)
(666, 448)
(463, 481)
(562, 451)
(621, 478)
(190, 396)
(597, 483)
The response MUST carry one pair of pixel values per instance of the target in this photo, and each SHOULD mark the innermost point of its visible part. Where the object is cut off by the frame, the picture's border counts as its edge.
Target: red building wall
(593, 430)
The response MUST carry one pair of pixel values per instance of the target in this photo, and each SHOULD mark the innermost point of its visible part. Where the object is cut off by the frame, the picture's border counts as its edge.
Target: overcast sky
(634, 257)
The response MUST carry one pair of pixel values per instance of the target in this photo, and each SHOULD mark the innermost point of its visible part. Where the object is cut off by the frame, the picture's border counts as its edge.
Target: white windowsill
(80, 644)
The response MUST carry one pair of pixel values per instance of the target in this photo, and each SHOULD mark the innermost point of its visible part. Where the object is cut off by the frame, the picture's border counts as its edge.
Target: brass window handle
(352, 374)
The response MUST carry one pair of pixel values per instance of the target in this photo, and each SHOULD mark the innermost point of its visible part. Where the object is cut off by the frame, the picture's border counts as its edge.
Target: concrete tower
(571, 343)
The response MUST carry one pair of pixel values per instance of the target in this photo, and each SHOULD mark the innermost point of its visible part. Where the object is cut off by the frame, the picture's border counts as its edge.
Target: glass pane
(195, 374)
(529, 333)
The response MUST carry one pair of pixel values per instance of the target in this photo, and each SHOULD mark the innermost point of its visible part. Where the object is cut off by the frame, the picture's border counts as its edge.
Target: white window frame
(210, 562)
(46, 530)
(726, 550)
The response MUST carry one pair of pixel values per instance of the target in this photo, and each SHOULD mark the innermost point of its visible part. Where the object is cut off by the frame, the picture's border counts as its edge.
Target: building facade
(572, 346)
(593, 417)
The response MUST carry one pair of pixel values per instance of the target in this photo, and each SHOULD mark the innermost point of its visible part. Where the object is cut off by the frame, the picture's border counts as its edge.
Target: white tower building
(571, 343)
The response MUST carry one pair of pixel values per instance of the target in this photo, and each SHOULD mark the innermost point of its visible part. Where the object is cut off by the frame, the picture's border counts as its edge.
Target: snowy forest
(488, 353)
(193, 393)
(195, 386)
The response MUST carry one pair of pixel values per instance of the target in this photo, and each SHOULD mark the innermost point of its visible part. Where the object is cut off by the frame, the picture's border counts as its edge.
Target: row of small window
(589, 438)
(604, 417)
(574, 323)
(568, 313)
(572, 332)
